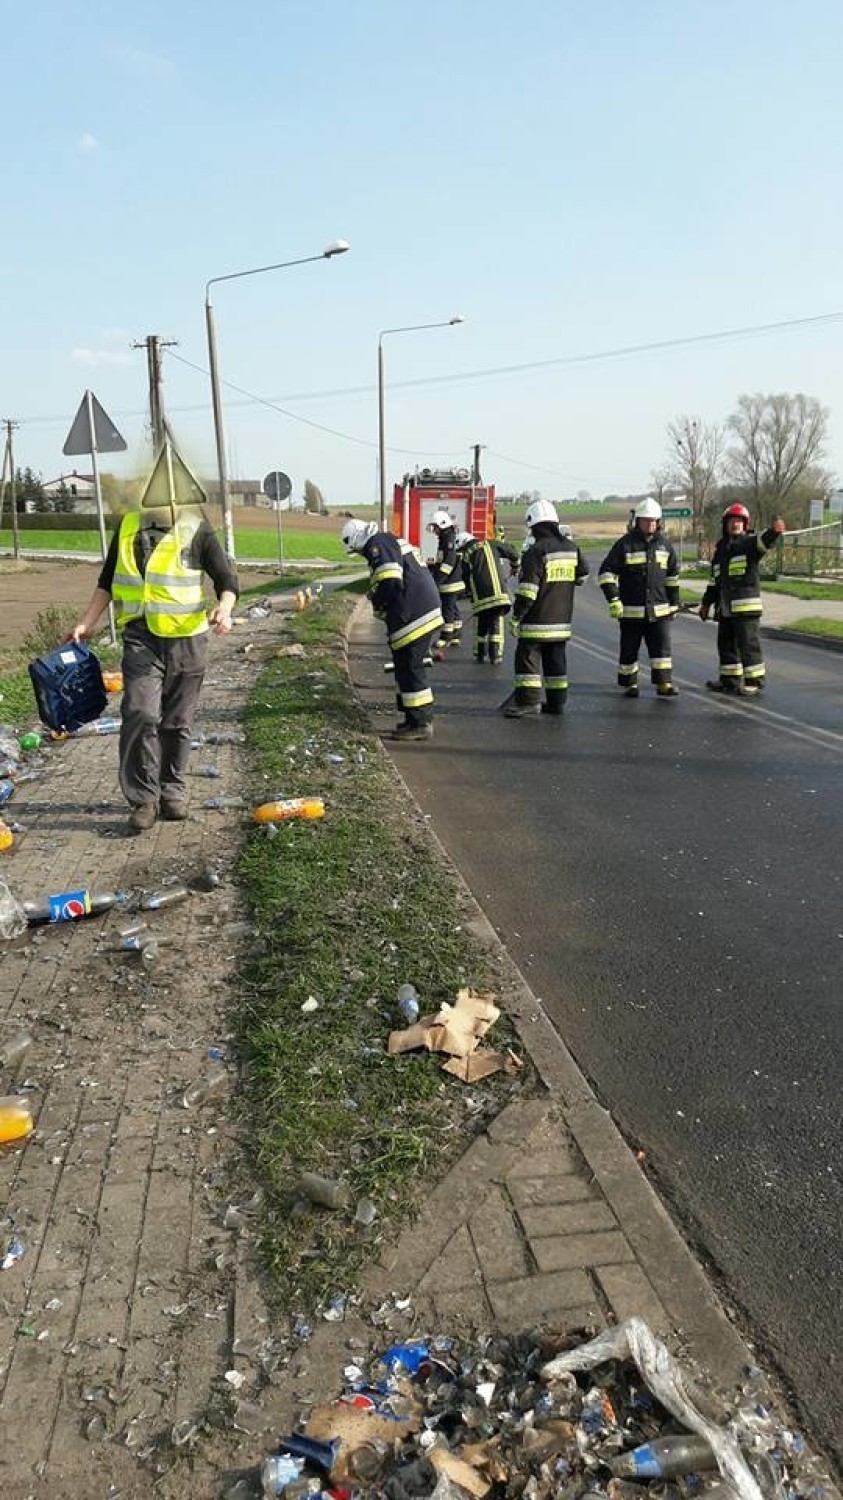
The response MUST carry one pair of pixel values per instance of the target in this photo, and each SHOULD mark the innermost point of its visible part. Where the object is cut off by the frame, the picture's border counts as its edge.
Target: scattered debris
(457, 1029)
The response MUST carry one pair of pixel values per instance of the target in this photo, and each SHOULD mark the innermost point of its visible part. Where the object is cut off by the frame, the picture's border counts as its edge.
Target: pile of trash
(523, 1415)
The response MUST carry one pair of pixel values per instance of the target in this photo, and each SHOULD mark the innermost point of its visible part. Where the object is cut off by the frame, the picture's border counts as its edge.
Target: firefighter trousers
(414, 693)
(537, 661)
(739, 650)
(488, 634)
(656, 636)
(451, 620)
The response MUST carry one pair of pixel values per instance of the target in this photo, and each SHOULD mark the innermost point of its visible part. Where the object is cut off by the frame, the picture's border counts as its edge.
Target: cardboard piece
(355, 1426)
(468, 1479)
(482, 1064)
(455, 1029)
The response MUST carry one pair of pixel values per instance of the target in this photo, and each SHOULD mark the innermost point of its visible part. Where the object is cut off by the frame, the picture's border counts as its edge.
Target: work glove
(514, 627)
(615, 608)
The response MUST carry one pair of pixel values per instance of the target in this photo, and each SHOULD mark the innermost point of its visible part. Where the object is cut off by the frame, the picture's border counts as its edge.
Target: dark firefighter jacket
(446, 565)
(643, 573)
(544, 594)
(481, 563)
(402, 592)
(735, 588)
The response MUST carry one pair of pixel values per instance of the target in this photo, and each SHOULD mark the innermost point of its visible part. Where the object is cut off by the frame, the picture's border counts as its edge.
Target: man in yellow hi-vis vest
(153, 574)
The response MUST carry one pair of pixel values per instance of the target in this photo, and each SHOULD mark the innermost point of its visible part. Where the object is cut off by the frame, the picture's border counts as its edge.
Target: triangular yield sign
(103, 439)
(171, 482)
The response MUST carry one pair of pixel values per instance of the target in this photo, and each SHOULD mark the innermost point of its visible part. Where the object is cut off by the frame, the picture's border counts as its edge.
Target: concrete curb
(782, 633)
(666, 1260)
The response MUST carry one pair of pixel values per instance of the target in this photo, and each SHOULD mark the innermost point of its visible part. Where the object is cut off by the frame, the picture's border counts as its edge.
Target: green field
(818, 625)
(248, 543)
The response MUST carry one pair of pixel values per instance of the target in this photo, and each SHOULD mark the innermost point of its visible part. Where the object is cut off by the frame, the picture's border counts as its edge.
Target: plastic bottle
(214, 1082)
(169, 897)
(150, 952)
(7, 791)
(665, 1458)
(12, 915)
(7, 838)
(226, 737)
(367, 1461)
(279, 1471)
(324, 1190)
(31, 741)
(408, 1003)
(112, 682)
(292, 807)
(13, 1050)
(68, 906)
(97, 726)
(210, 772)
(222, 804)
(16, 1121)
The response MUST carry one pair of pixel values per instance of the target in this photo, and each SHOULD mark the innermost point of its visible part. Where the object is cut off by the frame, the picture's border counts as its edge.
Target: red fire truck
(460, 492)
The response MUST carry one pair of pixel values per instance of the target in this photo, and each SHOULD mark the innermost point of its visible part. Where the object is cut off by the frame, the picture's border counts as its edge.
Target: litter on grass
(458, 1030)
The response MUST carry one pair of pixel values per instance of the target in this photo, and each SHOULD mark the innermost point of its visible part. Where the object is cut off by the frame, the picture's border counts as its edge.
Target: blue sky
(572, 177)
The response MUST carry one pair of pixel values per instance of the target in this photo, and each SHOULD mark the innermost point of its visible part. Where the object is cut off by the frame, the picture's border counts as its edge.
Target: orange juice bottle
(16, 1121)
(7, 838)
(293, 807)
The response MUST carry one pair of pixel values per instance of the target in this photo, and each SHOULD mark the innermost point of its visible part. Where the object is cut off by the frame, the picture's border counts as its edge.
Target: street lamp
(408, 328)
(336, 247)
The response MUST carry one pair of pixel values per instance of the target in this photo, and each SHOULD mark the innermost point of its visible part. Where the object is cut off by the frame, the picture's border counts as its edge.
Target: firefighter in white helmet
(404, 595)
(447, 572)
(490, 601)
(640, 580)
(551, 567)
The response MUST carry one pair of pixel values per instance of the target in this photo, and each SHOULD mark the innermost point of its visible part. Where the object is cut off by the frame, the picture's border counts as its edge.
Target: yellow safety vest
(169, 595)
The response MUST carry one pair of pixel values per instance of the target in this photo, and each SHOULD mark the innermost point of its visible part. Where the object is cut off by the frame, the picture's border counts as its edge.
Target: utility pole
(153, 344)
(9, 458)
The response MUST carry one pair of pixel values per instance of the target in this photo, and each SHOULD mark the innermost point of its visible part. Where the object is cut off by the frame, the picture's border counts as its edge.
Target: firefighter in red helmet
(734, 594)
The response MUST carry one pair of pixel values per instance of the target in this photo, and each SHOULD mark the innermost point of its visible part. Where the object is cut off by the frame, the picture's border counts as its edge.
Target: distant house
(247, 492)
(79, 488)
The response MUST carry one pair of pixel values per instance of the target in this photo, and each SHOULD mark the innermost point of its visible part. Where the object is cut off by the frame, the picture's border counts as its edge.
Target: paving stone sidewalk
(115, 1323)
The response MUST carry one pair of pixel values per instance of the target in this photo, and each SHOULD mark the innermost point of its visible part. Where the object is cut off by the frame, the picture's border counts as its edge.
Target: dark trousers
(537, 662)
(488, 633)
(415, 695)
(452, 622)
(162, 680)
(739, 650)
(656, 635)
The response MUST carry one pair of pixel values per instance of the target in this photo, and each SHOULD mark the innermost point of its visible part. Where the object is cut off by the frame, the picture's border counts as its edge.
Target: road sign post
(278, 487)
(680, 513)
(94, 432)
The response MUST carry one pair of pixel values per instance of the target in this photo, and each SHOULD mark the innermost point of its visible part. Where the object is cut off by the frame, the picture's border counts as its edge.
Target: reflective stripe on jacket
(735, 585)
(482, 572)
(446, 565)
(168, 596)
(544, 595)
(643, 573)
(402, 592)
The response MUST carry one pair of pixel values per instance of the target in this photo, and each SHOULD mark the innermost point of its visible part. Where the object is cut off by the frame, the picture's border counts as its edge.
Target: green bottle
(30, 741)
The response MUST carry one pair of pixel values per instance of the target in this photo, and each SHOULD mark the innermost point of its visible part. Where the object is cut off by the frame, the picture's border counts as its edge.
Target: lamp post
(336, 247)
(409, 328)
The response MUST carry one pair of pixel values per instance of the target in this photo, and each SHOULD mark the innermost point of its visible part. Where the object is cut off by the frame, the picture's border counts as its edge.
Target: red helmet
(737, 513)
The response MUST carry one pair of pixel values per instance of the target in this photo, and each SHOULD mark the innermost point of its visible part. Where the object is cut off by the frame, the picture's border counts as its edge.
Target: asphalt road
(667, 874)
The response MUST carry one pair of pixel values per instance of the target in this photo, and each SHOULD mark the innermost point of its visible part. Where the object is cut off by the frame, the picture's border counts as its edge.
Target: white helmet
(463, 539)
(540, 510)
(439, 521)
(355, 534)
(647, 510)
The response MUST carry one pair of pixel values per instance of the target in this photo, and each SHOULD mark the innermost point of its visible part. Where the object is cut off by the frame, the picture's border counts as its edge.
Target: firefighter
(551, 566)
(447, 572)
(734, 593)
(640, 579)
(490, 601)
(404, 595)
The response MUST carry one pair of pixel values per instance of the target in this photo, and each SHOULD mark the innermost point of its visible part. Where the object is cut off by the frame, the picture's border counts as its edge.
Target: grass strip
(803, 588)
(346, 910)
(818, 625)
(259, 542)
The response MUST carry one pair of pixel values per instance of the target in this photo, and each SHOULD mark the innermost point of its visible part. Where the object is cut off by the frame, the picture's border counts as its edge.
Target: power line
(622, 351)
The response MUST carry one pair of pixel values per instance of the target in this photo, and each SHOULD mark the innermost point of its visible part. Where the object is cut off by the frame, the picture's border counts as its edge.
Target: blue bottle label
(69, 905)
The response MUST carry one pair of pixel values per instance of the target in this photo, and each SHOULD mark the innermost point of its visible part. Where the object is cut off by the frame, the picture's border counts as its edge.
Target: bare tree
(695, 456)
(778, 450)
(661, 480)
